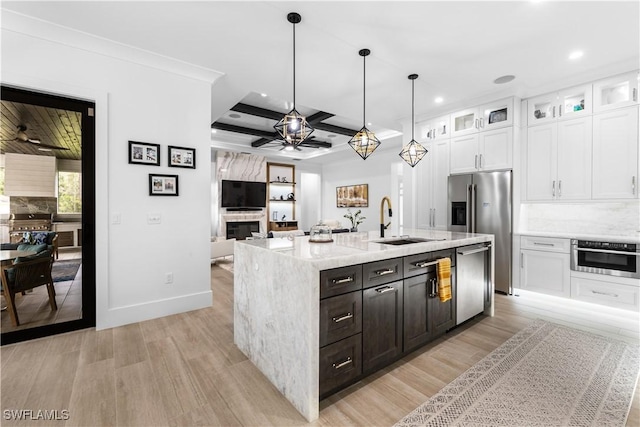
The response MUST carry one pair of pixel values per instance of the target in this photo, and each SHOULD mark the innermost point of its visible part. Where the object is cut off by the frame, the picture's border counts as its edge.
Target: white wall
(379, 171)
(139, 97)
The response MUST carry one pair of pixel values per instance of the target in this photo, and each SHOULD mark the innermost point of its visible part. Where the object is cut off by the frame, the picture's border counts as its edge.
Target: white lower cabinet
(545, 268)
(544, 265)
(606, 290)
(545, 272)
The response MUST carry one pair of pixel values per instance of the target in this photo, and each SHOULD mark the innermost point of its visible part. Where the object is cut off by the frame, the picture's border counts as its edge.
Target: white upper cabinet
(497, 114)
(566, 104)
(483, 151)
(432, 173)
(615, 154)
(465, 122)
(436, 129)
(558, 161)
(485, 117)
(615, 92)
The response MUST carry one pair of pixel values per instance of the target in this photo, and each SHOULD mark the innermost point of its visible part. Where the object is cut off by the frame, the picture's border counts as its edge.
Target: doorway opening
(47, 171)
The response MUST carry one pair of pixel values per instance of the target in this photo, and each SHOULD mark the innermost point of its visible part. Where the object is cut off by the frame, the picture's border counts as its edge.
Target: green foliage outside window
(69, 192)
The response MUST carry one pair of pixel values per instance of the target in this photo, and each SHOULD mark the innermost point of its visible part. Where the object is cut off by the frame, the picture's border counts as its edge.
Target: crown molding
(51, 32)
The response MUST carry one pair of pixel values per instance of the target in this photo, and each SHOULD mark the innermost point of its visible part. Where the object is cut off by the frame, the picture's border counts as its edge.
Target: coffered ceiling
(458, 48)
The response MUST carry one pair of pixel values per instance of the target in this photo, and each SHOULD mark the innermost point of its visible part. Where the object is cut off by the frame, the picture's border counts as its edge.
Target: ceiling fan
(21, 136)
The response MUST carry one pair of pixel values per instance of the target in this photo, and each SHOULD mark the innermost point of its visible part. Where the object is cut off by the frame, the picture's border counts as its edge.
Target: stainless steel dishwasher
(472, 264)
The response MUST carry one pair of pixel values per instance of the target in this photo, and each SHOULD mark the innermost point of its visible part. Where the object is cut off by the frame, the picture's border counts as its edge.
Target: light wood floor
(184, 370)
(33, 308)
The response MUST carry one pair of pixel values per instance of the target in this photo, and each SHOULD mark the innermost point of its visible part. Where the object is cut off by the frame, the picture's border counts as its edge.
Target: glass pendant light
(413, 152)
(364, 142)
(293, 127)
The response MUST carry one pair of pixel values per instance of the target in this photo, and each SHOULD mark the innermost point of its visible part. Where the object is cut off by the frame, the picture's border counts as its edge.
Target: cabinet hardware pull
(521, 260)
(434, 288)
(543, 244)
(635, 94)
(605, 293)
(423, 264)
(342, 318)
(553, 189)
(383, 272)
(343, 280)
(560, 188)
(606, 251)
(559, 110)
(554, 111)
(385, 290)
(475, 162)
(480, 161)
(342, 364)
(475, 122)
(633, 185)
(481, 122)
(474, 251)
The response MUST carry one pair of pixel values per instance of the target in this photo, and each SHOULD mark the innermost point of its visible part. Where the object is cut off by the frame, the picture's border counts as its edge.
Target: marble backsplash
(33, 205)
(241, 167)
(620, 218)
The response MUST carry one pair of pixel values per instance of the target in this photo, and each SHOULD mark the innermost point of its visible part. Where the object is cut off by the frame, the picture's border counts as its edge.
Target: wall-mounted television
(243, 194)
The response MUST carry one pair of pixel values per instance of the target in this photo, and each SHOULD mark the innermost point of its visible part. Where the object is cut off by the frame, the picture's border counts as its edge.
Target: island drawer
(380, 272)
(340, 280)
(414, 265)
(340, 317)
(340, 363)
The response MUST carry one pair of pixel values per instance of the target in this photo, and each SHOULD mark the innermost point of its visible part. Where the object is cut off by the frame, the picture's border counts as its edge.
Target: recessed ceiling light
(235, 115)
(576, 55)
(369, 124)
(504, 79)
(263, 95)
(213, 131)
(288, 147)
(438, 100)
(44, 149)
(331, 136)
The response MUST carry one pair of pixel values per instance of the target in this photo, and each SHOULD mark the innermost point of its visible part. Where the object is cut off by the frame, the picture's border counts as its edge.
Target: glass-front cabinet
(566, 104)
(436, 129)
(615, 92)
(485, 117)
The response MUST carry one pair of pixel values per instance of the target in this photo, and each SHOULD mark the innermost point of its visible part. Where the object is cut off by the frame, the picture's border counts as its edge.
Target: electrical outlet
(168, 278)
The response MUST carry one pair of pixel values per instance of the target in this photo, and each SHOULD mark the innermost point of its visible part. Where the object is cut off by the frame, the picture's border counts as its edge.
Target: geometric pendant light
(413, 152)
(293, 127)
(364, 142)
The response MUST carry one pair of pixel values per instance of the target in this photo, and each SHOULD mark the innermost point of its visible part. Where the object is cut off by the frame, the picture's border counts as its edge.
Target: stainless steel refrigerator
(481, 203)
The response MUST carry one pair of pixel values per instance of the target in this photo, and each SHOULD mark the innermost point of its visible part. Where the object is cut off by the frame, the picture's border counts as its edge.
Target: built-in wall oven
(610, 258)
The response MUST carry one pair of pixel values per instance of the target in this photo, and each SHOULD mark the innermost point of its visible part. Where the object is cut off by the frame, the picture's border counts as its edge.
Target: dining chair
(27, 273)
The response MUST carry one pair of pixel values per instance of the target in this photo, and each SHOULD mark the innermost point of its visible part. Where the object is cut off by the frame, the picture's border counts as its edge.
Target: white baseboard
(120, 316)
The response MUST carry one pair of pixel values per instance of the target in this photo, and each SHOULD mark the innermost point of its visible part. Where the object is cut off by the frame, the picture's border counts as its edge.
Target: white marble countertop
(361, 247)
(631, 238)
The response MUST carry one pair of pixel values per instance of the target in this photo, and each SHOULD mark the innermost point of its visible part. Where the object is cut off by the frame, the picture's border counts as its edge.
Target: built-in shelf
(279, 203)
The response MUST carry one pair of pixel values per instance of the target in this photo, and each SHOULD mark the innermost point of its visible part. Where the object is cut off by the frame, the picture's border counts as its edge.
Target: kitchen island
(277, 292)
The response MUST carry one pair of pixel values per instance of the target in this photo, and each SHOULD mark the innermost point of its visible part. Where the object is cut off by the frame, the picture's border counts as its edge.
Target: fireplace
(240, 230)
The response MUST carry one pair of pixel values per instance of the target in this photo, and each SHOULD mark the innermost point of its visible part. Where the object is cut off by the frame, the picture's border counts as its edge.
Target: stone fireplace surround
(259, 216)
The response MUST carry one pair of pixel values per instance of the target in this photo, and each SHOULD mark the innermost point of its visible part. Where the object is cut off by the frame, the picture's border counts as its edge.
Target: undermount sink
(407, 241)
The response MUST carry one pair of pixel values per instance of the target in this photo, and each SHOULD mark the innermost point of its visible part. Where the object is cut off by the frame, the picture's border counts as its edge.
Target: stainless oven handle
(607, 251)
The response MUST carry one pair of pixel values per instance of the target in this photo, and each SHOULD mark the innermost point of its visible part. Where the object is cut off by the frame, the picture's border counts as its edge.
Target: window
(69, 192)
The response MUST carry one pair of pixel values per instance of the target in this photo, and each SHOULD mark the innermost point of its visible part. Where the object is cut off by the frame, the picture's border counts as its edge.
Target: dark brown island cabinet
(373, 314)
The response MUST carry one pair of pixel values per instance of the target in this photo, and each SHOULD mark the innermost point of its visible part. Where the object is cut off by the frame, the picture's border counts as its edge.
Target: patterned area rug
(64, 270)
(545, 375)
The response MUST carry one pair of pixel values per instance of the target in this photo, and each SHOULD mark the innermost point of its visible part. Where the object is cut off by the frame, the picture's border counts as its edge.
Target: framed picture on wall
(163, 185)
(352, 196)
(182, 157)
(144, 153)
